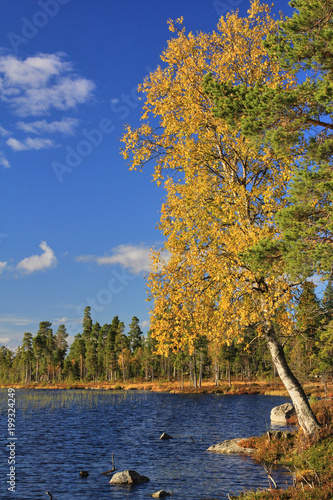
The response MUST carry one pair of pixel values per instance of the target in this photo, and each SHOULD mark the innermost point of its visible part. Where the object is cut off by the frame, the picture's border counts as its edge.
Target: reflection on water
(36, 399)
(62, 432)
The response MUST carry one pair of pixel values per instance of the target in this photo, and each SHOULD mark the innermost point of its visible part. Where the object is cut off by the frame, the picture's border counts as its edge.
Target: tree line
(108, 353)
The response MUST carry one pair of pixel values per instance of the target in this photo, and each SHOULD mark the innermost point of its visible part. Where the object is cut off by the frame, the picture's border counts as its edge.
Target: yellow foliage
(222, 194)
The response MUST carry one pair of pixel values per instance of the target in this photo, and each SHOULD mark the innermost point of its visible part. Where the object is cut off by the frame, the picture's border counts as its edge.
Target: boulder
(230, 446)
(166, 436)
(128, 477)
(161, 494)
(280, 414)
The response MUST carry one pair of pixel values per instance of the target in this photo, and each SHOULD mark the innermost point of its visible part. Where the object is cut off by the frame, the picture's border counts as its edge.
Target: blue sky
(76, 226)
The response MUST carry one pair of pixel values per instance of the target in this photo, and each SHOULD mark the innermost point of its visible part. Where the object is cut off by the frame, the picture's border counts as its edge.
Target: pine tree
(327, 302)
(101, 351)
(110, 346)
(76, 355)
(28, 355)
(324, 365)
(296, 122)
(43, 347)
(87, 324)
(122, 348)
(309, 316)
(61, 348)
(135, 335)
(6, 360)
(91, 352)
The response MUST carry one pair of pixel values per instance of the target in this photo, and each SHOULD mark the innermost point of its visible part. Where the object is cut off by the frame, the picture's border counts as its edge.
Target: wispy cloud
(11, 329)
(66, 126)
(10, 320)
(38, 84)
(4, 162)
(2, 266)
(41, 262)
(28, 144)
(135, 258)
(3, 131)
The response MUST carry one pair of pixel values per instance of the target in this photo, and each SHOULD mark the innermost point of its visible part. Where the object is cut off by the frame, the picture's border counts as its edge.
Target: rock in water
(128, 477)
(166, 436)
(280, 414)
(161, 494)
(230, 446)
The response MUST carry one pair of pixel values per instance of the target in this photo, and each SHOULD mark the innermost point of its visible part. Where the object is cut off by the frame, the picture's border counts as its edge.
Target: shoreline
(262, 387)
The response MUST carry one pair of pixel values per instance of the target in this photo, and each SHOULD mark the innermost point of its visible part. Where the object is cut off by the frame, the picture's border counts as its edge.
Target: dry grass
(161, 385)
(310, 460)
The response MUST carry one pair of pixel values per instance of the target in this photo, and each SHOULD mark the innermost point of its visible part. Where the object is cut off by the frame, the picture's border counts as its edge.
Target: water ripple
(62, 432)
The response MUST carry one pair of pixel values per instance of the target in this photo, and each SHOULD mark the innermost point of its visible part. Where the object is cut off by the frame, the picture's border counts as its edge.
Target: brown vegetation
(308, 460)
(257, 386)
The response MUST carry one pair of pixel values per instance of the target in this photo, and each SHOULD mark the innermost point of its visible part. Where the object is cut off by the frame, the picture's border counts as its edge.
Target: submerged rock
(128, 477)
(161, 494)
(280, 414)
(230, 446)
(166, 436)
(280, 434)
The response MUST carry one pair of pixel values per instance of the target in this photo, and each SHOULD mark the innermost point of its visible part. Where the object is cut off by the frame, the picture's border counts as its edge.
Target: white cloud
(131, 257)
(38, 84)
(66, 126)
(66, 94)
(39, 262)
(2, 266)
(145, 324)
(3, 131)
(4, 340)
(29, 144)
(5, 163)
(33, 71)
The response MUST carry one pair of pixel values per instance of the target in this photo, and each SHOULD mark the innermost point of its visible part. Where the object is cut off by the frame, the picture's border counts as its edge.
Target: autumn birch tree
(221, 196)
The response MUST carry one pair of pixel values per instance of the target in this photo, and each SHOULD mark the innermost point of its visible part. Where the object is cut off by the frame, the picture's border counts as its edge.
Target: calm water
(60, 433)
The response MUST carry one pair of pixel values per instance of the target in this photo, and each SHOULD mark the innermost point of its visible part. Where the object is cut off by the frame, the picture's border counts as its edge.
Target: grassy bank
(265, 387)
(308, 460)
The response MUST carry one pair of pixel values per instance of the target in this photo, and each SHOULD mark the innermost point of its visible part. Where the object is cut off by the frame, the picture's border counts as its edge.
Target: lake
(62, 432)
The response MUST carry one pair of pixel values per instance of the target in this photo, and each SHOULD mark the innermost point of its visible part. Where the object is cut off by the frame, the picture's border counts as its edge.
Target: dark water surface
(61, 432)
